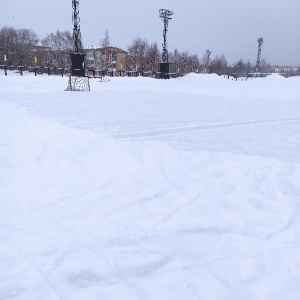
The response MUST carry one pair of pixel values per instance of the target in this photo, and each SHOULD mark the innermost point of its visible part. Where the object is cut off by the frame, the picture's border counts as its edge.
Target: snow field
(149, 189)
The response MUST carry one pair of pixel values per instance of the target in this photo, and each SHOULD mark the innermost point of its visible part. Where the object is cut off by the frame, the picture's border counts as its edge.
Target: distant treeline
(22, 47)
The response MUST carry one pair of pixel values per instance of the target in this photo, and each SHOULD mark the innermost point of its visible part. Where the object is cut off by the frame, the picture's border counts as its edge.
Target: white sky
(228, 27)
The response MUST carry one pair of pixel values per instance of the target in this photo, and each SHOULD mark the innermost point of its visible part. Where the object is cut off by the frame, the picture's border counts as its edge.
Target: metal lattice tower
(260, 42)
(165, 15)
(77, 57)
(76, 27)
(208, 53)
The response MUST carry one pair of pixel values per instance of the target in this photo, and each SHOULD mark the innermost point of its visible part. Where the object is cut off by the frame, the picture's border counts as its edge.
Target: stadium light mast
(76, 26)
(208, 53)
(77, 80)
(260, 42)
(77, 58)
(166, 16)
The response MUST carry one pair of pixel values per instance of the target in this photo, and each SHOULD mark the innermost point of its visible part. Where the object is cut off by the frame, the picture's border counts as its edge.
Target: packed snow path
(150, 189)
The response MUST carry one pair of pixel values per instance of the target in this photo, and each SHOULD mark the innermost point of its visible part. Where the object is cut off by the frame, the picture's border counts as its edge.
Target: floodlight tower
(76, 26)
(208, 53)
(77, 58)
(165, 15)
(260, 42)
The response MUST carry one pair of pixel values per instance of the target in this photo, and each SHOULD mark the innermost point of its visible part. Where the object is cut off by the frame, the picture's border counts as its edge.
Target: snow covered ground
(150, 189)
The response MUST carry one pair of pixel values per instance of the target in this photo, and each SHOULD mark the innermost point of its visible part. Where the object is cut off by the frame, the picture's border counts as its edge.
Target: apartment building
(105, 59)
(286, 70)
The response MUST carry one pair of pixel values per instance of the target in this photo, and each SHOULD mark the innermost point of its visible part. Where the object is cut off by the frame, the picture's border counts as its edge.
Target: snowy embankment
(150, 189)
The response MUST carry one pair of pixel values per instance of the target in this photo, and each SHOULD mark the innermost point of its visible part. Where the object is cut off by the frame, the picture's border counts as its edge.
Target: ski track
(137, 135)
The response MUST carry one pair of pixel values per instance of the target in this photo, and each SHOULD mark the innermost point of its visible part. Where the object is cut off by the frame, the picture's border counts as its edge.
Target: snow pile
(149, 189)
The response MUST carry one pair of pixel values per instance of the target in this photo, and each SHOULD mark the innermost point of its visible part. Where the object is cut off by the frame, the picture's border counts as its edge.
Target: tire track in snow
(171, 131)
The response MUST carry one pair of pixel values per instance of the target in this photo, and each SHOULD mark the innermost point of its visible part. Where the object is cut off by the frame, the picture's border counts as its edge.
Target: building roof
(117, 49)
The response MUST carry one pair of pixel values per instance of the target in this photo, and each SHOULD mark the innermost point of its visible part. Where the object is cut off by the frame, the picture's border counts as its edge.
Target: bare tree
(105, 42)
(218, 65)
(193, 63)
(205, 63)
(240, 66)
(57, 49)
(249, 67)
(137, 59)
(7, 37)
(18, 45)
(153, 55)
(105, 56)
(265, 66)
(183, 62)
(174, 58)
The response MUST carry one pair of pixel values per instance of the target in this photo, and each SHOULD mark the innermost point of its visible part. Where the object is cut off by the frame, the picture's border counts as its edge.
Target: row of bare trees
(57, 48)
(16, 45)
(20, 47)
(142, 56)
(246, 67)
(145, 57)
(183, 62)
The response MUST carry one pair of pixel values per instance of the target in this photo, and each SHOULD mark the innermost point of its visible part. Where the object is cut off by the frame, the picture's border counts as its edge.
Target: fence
(36, 70)
(90, 72)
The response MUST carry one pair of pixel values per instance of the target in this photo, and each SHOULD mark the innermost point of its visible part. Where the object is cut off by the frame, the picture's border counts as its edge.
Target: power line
(34, 18)
(62, 20)
(68, 22)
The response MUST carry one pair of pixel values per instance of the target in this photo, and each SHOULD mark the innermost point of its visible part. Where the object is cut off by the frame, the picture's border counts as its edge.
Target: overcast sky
(228, 27)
